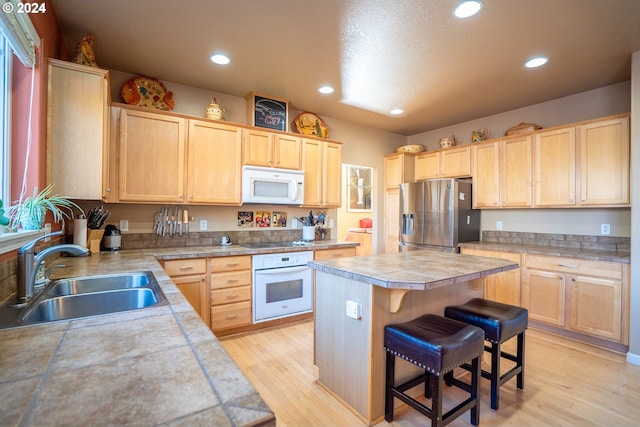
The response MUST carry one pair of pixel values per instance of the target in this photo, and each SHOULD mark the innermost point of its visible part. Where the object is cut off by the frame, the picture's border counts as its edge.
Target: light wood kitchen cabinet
(151, 148)
(269, 149)
(392, 220)
(502, 174)
(333, 253)
(591, 297)
(427, 165)
(213, 163)
(604, 163)
(231, 292)
(455, 162)
(190, 276)
(398, 168)
(322, 161)
(78, 130)
(555, 168)
(501, 287)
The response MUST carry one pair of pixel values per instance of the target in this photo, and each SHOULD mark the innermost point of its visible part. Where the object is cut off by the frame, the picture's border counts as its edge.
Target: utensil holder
(308, 232)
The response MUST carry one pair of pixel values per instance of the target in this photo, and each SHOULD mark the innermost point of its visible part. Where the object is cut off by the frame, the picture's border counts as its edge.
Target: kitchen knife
(185, 219)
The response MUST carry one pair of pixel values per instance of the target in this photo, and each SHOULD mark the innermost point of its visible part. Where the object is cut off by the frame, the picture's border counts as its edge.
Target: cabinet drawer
(230, 263)
(492, 254)
(611, 270)
(181, 267)
(230, 279)
(231, 315)
(334, 253)
(230, 295)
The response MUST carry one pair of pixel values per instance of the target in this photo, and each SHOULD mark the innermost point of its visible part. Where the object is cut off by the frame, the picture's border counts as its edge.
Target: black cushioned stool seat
(437, 345)
(500, 323)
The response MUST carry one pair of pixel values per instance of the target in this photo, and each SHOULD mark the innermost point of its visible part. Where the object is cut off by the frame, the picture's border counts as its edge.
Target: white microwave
(272, 185)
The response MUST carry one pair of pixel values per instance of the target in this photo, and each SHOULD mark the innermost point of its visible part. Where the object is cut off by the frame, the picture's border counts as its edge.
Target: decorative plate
(414, 148)
(310, 124)
(147, 92)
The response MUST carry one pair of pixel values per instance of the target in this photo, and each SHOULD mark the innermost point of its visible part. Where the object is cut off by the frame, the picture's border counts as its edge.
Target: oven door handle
(283, 270)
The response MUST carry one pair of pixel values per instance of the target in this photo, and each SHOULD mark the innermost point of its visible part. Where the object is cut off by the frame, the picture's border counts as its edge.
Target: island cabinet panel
(501, 287)
(151, 149)
(78, 130)
(190, 276)
(231, 292)
(588, 297)
(322, 161)
(555, 168)
(604, 163)
(213, 167)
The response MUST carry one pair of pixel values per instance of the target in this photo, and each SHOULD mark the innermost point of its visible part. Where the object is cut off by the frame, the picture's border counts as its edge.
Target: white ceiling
(378, 54)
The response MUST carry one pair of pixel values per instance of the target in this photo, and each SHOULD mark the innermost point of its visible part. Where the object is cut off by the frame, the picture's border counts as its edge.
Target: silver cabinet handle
(567, 266)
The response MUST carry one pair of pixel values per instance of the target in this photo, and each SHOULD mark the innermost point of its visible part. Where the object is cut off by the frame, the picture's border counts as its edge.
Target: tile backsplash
(577, 241)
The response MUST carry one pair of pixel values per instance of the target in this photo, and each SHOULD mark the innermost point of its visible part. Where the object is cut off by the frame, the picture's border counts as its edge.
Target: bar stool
(437, 345)
(500, 323)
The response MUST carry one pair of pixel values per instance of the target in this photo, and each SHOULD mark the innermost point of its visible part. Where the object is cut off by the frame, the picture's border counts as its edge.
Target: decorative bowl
(522, 128)
(413, 148)
(448, 141)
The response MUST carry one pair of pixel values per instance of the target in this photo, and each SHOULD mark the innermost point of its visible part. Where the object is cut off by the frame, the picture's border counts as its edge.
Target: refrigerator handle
(407, 223)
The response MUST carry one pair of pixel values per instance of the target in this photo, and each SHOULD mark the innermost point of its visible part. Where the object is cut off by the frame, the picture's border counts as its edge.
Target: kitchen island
(384, 289)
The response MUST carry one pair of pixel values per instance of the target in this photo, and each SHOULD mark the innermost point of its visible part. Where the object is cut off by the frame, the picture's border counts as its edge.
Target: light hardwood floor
(566, 384)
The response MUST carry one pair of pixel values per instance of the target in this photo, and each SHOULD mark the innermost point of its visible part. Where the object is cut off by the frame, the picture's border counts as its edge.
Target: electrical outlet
(203, 225)
(354, 310)
(124, 225)
(605, 229)
(294, 223)
(332, 223)
(498, 225)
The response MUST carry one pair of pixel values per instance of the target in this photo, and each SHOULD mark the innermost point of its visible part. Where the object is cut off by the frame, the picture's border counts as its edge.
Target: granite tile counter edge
(592, 255)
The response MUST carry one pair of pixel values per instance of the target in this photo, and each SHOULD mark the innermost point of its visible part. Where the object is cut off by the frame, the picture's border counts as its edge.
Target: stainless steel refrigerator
(437, 214)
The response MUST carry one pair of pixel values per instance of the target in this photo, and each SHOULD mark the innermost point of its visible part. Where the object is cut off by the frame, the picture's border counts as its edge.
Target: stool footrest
(486, 374)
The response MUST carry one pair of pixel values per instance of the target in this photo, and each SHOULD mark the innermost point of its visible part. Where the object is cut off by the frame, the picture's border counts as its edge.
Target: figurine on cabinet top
(85, 55)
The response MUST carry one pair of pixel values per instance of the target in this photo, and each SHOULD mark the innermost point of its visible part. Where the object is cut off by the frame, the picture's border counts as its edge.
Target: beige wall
(634, 342)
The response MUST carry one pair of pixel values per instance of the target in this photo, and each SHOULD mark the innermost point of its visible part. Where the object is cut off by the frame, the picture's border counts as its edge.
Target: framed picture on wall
(267, 111)
(359, 188)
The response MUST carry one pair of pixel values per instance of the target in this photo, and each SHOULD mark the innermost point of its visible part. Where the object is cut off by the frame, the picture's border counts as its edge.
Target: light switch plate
(124, 225)
(605, 229)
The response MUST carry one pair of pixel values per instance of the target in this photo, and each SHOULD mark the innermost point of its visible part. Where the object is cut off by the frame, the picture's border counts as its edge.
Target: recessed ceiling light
(219, 58)
(536, 61)
(325, 89)
(396, 111)
(467, 8)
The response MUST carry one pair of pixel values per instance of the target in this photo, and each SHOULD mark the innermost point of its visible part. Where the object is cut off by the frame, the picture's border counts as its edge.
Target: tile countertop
(159, 365)
(414, 270)
(588, 254)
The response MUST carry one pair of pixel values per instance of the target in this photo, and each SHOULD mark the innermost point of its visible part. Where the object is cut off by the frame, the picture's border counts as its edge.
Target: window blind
(19, 31)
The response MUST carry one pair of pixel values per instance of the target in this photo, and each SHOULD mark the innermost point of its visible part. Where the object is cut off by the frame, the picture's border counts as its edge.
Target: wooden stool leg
(495, 375)
(520, 361)
(475, 389)
(436, 401)
(388, 395)
(427, 384)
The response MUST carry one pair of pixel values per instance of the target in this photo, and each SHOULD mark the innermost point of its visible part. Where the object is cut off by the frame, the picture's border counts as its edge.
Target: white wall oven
(281, 285)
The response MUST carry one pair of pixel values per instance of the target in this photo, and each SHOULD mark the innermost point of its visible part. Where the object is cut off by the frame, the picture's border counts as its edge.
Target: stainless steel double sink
(79, 297)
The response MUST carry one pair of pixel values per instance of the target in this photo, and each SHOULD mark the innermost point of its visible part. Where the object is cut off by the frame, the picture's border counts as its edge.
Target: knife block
(94, 237)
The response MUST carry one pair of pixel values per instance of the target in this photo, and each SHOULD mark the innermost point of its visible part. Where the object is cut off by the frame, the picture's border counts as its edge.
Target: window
(359, 188)
(5, 122)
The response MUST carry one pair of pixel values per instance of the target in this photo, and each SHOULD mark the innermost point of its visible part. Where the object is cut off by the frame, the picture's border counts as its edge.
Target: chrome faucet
(28, 262)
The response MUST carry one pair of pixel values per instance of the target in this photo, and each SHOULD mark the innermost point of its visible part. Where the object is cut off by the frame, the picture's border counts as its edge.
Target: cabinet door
(312, 159)
(555, 168)
(486, 175)
(427, 166)
(287, 151)
(151, 157)
(214, 166)
(502, 287)
(596, 307)
(455, 162)
(392, 220)
(398, 168)
(78, 130)
(604, 163)
(544, 296)
(332, 174)
(515, 173)
(258, 147)
(194, 289)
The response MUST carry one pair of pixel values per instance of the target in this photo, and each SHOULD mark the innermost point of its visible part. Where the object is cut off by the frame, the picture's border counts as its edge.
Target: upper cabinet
(264, 148)
(78, 130)
(604, 162)
(447, 163)
(502, 174)
(398, 168)
(322, 165)
(427, 165)
(151, 148)
(584, 165)
(213, 163)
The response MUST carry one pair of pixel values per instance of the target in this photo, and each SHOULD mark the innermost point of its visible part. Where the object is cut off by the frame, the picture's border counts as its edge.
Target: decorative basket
(522, 128)
(414, 148)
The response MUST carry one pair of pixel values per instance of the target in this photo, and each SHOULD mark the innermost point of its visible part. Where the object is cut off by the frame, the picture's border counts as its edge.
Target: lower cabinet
(588, 297)
(190, 276)
(230, 292)
(501, 287)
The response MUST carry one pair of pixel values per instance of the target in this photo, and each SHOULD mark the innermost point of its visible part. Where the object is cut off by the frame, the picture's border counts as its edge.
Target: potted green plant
(30, 212)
